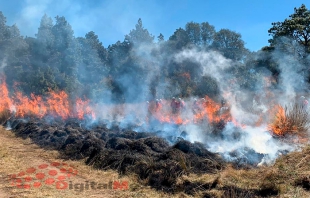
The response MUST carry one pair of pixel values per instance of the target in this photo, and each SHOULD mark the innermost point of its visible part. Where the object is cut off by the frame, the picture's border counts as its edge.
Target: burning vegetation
(56, 104)
(159, 111)
(292, 120)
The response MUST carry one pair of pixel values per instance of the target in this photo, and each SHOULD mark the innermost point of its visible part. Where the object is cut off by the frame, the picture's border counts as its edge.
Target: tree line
(141, 66)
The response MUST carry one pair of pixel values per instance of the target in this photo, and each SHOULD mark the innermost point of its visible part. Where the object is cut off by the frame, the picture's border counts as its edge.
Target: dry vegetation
(17, 155)
(4, 115)
(290, 120)
(288, 177)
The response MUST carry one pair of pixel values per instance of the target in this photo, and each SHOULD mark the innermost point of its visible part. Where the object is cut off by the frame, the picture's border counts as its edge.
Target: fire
(162, 112)
(56, 104)
(280, 124)
(32, 106)
(5, 101)
(208, 110)
(83, 108)
(293, 119)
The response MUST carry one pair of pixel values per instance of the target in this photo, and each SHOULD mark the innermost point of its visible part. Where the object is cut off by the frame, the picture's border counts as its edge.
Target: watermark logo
(54, 173)
(59, 175)
(115, 185)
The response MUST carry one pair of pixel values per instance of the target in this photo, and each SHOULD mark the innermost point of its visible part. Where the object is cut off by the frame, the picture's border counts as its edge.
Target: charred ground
(61, 67)
(151, 159)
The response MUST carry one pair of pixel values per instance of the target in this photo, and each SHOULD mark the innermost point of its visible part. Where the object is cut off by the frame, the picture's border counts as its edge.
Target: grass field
(288, 177)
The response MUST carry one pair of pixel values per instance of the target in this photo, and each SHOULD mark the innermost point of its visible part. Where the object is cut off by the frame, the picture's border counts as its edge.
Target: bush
(293, 119)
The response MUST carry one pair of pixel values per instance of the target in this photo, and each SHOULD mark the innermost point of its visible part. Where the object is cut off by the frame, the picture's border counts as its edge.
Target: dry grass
(283, 177)
(293, 119)
(17, 155)
(4, 115)
(288, 177)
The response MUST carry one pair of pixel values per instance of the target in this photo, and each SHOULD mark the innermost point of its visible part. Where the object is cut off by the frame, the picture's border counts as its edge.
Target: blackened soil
(151, 158)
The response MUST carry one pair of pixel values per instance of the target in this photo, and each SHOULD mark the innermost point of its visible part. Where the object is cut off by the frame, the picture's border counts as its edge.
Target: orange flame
(83, 108)
(280, 124)
(56, 104)
(5, 102)
(207, 110)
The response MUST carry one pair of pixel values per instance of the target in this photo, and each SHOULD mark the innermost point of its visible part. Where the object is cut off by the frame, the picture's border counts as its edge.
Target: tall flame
(277, 126)
(5, 101)
(207, 110)
(56, 104)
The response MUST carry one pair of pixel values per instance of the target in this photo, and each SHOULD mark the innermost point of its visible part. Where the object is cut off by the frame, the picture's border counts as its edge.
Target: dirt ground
(24, 159)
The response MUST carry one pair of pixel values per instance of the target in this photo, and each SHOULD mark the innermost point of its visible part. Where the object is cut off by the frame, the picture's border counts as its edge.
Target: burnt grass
(152, 159)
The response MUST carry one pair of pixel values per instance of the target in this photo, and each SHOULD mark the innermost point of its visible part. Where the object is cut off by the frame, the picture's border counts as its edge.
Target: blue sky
(113, 19)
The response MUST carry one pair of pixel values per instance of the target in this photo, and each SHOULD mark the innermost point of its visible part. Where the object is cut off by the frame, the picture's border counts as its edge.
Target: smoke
(292, 79)
(212, 63)
(250, 140)
(30, 15)
(2, 65)
(139, 80)
(85, 16)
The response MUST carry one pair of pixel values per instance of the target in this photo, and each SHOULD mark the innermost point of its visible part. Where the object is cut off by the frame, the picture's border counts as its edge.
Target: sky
(111, 20)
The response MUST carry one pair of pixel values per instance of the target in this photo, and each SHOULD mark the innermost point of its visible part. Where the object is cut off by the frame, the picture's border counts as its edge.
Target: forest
(193, 113)
(143, 66)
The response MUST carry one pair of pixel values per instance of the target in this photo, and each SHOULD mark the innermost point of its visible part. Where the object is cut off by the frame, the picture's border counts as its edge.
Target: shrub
(293, 119)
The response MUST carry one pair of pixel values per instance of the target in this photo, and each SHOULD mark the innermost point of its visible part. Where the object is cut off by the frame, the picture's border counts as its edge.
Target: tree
(230, 44)
(45, 34)
(3, 27)
(201, 35)
(207, 33)
(179, 39)
(63, 34)
(92, 67)
(139, 35)
(193, 32)
(65, 47)
(118, 55)
(161, 38)
(207, 86)
(42, 47)
(296, 27)
(16, 53)
(3, 35)
(93, 41)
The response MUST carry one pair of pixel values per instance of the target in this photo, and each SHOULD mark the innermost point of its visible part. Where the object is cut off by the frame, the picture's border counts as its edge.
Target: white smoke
(212, 63)
(232, 139)
(255, 138)
(253, 143)
(3, 65)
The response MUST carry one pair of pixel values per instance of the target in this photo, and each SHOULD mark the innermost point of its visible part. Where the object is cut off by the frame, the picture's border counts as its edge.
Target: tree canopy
(296, 27)
(139, 67)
